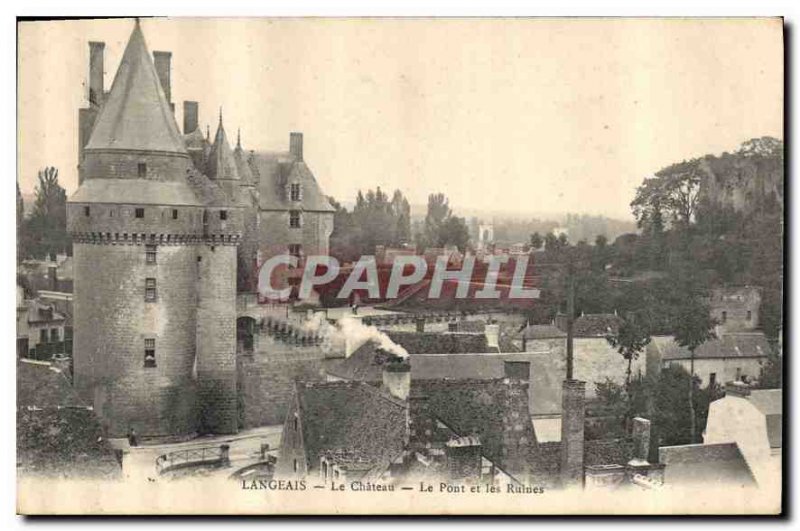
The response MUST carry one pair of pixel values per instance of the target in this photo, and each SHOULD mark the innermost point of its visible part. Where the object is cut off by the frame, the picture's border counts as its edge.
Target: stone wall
(216, 338)
(112, 321)
(118, 164)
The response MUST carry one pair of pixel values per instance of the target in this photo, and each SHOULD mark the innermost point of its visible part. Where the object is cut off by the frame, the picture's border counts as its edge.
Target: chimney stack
(397, 377)
(492, 332)
(641, 438)
(463, 458)
(96, 87)
(190, 109)
(296, 145)
(573, 396)
(163, 62)
(740, 389)
(517, 370)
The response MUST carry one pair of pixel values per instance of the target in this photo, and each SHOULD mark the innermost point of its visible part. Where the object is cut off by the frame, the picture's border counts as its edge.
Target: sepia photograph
(400, 266)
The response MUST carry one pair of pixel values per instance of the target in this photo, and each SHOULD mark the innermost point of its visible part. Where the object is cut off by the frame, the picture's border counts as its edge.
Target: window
(54, 335)
(150, 289)
(223, 215)
(111, 213)
(150, 254)
(749, 315)
(174, 213)
(142, 170)
(150, 352)
(295, 423)
(43, 335)
(724, 316)
(294, 219)
(139, 212)
(86, 211)
(295, 249)
(294, 465)
(738, 373)
(712, 379)
(295, 191)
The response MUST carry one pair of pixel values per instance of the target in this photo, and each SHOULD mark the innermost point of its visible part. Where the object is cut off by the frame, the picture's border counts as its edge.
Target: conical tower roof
(136, 115)
(221, 162)
(242, 166)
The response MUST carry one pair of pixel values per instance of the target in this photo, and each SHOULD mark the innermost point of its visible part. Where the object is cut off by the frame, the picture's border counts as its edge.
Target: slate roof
(415, 298)
(195, 140)
(435, 355)
(56, 434)
(135, 114)
(736, 345)
(135, 191)
(707, 464)
(272, 171)
(770, 403)
(546, 331)
(221, 164)
(353, 416)
(242, 165)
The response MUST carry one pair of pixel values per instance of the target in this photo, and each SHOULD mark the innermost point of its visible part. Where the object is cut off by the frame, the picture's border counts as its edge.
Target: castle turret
(141, 227)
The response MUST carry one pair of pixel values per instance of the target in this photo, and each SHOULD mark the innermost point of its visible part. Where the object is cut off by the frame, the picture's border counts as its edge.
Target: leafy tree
(674, 191)
(693, 326)
(454, 231)
(771, 376)
(536, 240)
(630, 339)
(46, 228)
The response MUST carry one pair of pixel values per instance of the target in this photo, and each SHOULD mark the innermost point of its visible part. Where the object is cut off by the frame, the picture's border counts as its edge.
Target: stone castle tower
(155, 257)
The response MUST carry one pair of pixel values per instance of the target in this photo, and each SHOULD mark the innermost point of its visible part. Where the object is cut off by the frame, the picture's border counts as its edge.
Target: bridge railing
(207, 456)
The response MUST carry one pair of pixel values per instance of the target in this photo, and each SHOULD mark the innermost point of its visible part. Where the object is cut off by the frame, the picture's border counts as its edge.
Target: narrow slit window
(174, 213)
(149, 352)
(86, 211)
(142, 170)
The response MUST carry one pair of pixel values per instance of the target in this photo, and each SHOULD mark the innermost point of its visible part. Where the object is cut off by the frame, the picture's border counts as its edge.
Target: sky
(525, 116)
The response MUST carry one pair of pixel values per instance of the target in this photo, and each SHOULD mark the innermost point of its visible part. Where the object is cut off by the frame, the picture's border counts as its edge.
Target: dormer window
(294, 219)
(142, 170)
(294, 191)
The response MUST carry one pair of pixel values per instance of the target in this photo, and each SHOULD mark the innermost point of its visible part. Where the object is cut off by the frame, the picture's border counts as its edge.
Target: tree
(454, 231)
(674, 190)
(630, 339)
(46, 228)
(20, 223)
(536, 241)
(693, 326)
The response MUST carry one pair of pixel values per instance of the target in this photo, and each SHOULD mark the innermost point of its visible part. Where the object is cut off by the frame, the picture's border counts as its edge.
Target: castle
(167, 227)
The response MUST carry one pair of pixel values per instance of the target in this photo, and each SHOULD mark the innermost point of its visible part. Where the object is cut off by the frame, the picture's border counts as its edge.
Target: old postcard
(400, 266)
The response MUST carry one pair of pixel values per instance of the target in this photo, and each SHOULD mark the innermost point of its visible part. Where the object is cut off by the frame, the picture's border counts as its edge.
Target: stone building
(167, 227)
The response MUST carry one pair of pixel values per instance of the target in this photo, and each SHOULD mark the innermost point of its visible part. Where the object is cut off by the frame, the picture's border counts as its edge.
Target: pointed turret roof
(136, 115)
(221, 162)
(242, 166)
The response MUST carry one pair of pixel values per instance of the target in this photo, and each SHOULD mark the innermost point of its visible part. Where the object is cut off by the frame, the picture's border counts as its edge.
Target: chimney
(96, 91)
(492, 332)
(162, 61)
(740, 389)
(52, 275)
(190, 109)
(296, 145)
(463, 458)
(517, 370)
(397, 377)
(420, 321)
(641, 438)
(573, 394)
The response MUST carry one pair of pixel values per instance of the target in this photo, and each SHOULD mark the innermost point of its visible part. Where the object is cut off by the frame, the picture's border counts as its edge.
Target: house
(466, 430)
(730, 357)
(736, 309)
(753, 420)
(42, 330)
